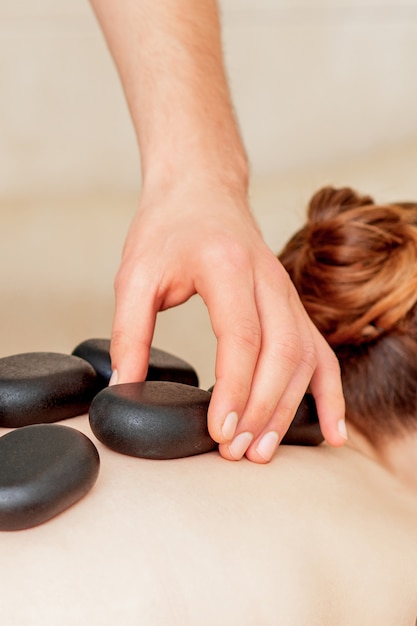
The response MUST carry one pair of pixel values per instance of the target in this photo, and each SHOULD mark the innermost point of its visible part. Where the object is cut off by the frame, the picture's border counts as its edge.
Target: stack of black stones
(47, 467)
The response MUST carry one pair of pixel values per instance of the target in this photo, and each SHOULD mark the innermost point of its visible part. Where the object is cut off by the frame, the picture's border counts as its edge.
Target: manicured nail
(113, 378)
(267, 445)
(239, 445)
(341, 427)
(229, 425)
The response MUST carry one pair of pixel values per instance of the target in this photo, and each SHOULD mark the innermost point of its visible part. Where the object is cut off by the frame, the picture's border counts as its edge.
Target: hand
(197, 239)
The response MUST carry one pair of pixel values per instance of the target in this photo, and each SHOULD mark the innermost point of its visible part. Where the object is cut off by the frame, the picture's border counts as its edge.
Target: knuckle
(132, 278)
(237, 255)
(290, 347)
(123, 277)
(296, 352)
(117, 347)
(117, 341)
(248, 335)
(285, 413)
(309, 357)
(240, 390)
(264, 410)
(223, 252)
(238, 387)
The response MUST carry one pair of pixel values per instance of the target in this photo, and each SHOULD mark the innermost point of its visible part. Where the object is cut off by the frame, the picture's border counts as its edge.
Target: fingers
(275, 423)
(259, 349)
(292, 353)
(326, 387)
(285, 365)
(236, 324)
(133, 325)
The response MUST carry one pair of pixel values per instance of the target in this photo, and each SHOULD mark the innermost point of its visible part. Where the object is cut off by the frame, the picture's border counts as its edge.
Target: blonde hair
(354, 265)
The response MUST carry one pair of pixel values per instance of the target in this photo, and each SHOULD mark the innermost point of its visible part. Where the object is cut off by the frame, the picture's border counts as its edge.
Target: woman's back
(320, 536)
(317, 537)
(357, 550)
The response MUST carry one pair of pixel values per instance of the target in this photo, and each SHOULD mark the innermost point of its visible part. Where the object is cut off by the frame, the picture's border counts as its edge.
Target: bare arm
(169, 58)
(194, 233)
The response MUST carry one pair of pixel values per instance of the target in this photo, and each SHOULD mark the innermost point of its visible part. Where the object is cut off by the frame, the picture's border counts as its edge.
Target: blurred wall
(325, 91)
(318, 80)
(313, 80)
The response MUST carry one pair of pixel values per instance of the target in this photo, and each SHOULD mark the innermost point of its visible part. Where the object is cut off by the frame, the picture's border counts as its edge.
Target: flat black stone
(44, 469)
(162, 365)
(44, 387)
(305, 429)
(153, 419)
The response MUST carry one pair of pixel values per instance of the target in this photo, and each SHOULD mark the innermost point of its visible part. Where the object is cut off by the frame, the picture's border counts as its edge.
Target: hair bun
(329, 201)
(354, 265)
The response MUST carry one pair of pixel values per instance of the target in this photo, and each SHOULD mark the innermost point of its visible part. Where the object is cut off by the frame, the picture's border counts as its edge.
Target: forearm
(169, 57)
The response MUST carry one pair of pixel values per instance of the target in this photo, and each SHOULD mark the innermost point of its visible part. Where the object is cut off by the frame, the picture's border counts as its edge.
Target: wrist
(221, 167)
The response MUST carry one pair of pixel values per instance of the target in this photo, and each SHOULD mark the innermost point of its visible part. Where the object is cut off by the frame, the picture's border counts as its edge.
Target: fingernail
(113, 378)
(239, 445)
(267, 445)
(341, 427)
(229, 425)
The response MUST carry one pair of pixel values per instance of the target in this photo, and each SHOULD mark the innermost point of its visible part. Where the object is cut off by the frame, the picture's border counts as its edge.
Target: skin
(317, 536)
(194, 233)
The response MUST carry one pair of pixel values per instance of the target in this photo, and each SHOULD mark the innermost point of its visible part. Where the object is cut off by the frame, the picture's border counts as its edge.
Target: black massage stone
(162, 365)
(153, 419)
(44, 387)
(44, 469)
(305, 428)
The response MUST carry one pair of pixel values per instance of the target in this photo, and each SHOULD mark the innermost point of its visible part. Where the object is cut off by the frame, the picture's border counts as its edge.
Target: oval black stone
(153, 420)
(166, 366)
(162, 365)
(44, 469)
(44, 387)
(305, 429)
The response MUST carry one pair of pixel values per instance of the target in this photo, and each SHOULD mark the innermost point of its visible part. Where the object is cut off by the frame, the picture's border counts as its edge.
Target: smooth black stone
(44, 469)
(305, 428)
(44, 387)
(162, 365)
(97, 353)
(153, 419)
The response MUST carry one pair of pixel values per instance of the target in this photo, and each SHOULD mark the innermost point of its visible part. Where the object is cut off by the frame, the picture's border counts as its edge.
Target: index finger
(133, 328)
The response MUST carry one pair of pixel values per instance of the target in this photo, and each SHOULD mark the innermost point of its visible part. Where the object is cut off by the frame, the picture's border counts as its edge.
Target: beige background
(325, 92)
